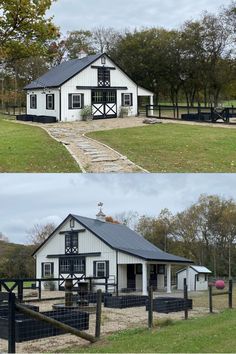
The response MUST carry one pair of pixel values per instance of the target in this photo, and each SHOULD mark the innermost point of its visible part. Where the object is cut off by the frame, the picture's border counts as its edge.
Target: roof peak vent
(100, 215)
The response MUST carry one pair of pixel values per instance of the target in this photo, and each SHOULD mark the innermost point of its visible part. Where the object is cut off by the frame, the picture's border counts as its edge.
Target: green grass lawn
(209, 334)
(175, 147)
(25, 148)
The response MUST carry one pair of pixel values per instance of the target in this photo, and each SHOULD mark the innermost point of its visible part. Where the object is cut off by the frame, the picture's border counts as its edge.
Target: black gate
(104, 103)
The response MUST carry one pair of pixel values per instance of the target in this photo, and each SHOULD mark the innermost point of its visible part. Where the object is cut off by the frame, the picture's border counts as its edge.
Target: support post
(144, 278)
(11, 323)
(150, 309)
(210, 299)
(98, 314)
(188, 278)
(168, 278)
(151, 105)
(185, 299)
(230, 294)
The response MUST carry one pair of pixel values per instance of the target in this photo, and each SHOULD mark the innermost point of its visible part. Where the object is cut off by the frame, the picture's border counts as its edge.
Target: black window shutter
(70, 101)
(82, 100)
(131, 99)
(35, 101)
(107, 269)
(42, 270)
(94, 268)
(46, 101)
(53, 101)
(122, 100)
(52, 269)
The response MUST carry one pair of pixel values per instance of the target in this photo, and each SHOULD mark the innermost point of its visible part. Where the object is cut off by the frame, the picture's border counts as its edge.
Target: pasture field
(175, 147)
(25, 148)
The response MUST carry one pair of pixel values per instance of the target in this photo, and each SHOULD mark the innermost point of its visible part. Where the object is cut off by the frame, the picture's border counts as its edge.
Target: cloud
(29, 199)
(73, 14)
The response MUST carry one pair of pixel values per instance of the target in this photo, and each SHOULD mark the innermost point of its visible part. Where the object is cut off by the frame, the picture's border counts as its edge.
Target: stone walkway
(91, 155)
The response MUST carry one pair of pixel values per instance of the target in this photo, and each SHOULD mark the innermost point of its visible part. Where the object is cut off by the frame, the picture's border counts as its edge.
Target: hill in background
(16, 260)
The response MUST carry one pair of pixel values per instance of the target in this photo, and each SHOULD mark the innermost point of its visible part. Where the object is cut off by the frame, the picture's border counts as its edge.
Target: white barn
(82, 246)
(197, 278)
(94, 81)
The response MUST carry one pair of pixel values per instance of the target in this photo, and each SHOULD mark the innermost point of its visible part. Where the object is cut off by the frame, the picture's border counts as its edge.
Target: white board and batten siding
(197, 281)
(88, 77)
(41, 109)
(87, 243)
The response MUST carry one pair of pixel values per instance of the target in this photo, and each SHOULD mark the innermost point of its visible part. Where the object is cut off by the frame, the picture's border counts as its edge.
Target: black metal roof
(122, 238)
(58, 75)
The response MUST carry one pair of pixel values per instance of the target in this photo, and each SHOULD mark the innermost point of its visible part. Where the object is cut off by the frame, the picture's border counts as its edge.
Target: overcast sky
(76, 14)
(29, 199)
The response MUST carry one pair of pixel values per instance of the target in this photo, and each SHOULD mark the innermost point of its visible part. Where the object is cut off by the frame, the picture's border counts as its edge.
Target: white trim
(96, 269)
(44, 269)
(72, 102)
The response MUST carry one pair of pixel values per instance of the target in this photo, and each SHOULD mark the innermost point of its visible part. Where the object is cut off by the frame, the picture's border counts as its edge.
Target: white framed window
(50, 101)
(76, 100)
(101, 269)
(33, 101)
(47, 270)
(127, 99)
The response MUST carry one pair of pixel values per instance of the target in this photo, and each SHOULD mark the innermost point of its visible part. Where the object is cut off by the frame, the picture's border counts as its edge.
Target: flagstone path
(91, 155)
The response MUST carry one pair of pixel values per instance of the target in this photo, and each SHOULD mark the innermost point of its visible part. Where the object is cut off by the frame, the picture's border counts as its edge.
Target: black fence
(12, 110)
(33, 292)
(196, 113)
(80, 313)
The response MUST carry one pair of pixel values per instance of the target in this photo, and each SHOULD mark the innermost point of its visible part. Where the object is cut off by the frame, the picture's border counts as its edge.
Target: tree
(39, 233)
(111, 220)
(24, 30)
(158, 230)
(128, 218)
(78, 41)
(104, 39)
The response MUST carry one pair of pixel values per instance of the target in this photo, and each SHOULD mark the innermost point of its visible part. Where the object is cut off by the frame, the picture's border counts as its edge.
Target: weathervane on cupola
(100, 215)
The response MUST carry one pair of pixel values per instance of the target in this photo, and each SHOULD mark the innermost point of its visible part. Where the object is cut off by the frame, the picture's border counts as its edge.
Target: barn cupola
(100, 215)
(82, 54)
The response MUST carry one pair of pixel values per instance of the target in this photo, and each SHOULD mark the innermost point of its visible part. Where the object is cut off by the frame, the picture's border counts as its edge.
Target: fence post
(40, 289)
(150, 307)
(20, 287)
(106, 284)
(177, 112)
(210, 298)
(185, 299)
(230, 294)
(11, 323)
(98, 314)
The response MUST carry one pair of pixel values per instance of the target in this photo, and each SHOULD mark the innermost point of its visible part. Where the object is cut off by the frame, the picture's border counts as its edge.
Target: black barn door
(104, 103)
